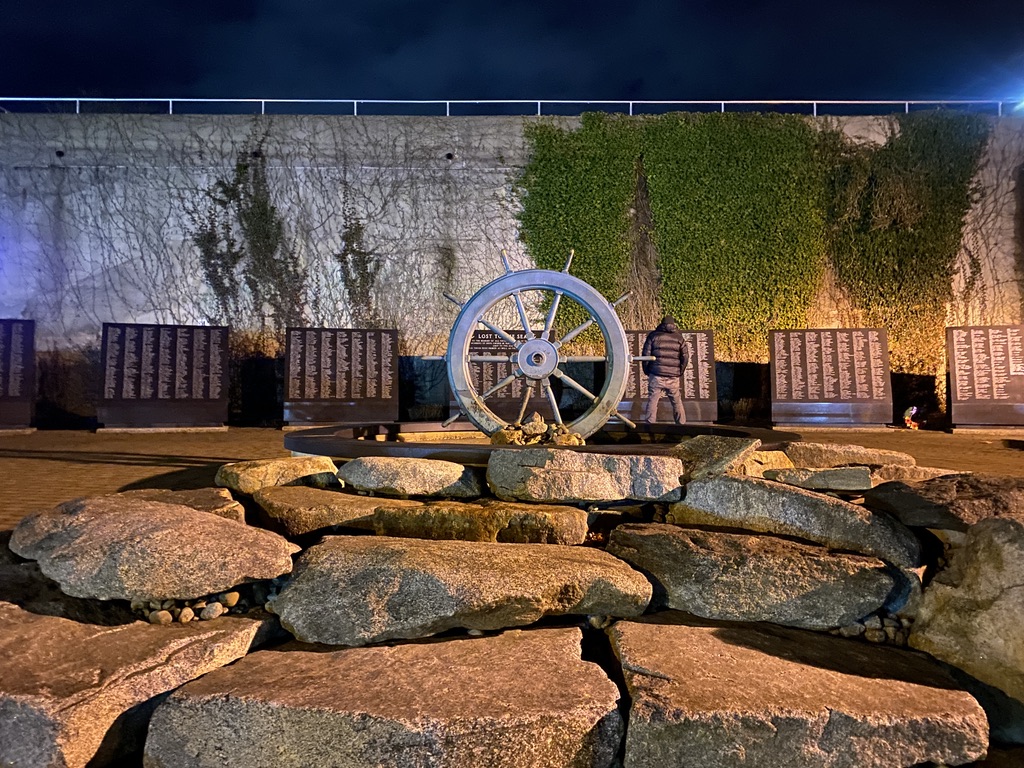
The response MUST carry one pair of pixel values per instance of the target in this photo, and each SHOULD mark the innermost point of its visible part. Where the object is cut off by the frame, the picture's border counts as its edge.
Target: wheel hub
(537, 359)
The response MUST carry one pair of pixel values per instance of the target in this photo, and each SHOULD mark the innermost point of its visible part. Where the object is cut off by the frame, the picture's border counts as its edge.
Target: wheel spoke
(522, 314)
(567, 379)
(627, 422)
(499, 386)
(503, 334)
(526, 402)
(574, 332)
(584, 359)
(550, 319)
(550, 395)
(490, 358)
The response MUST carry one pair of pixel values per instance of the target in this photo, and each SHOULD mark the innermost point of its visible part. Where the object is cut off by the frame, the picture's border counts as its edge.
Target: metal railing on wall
(488, 107)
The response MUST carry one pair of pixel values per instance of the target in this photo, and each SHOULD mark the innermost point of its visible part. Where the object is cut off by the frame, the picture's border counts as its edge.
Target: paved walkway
(42, 469)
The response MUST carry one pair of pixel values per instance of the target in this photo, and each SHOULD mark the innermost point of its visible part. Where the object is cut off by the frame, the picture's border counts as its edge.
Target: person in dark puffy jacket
(664, 372)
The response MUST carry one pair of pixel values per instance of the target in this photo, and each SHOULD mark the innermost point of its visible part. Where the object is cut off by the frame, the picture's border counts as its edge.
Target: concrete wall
(95, 215)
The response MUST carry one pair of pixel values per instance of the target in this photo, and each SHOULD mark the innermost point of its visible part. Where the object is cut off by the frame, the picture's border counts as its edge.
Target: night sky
(514, 49)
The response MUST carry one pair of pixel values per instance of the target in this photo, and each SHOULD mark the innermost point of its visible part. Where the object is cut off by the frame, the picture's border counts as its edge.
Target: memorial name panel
(506, 402)
(17, 373)
(697, 384)
(986, 379)
(830, 376)
(341, 374)
(164, 375)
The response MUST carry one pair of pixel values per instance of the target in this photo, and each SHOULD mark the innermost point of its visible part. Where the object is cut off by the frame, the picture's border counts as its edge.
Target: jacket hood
(668, 323)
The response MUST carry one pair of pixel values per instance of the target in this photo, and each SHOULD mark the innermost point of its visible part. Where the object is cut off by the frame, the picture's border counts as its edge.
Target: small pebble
(212, 611)
(875, 635)
(160, 617)
(873, 622)
(186, 615)
(475, 632)
(198, 605)
(229, 599)
(853, 630)
(890, 623)
(139, 605)
(155, 605)
(166, 605)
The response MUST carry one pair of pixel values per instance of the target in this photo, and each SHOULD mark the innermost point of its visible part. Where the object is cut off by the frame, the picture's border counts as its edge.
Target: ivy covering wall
(747, 210)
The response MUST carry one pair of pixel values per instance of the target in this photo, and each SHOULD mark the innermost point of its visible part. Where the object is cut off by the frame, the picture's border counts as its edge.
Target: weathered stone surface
(490, 521)
(556, 475)
(767, 507)
(824, 455)
(299, 510)
(249, 476)
(354, 590)
(972, 612)
(65, 687)
(834, 479)
(112, 548)
(951, 502)
(915, 474)
(718, 696)
(411, 477)
(710, 455)
(754, 578)
(216, 501)
(511, 701)
(759, 461)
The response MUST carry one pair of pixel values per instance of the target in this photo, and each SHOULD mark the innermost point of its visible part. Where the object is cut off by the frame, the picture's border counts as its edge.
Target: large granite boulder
(972, 613)
(75, 694)
(719, 696)
(848, 479)
(710, 455)
(490, 521)
(299, 510)
(824, 455)
(951, 502)
(354, 590)
(767, 507)
(511, 701)
(411, 477)
(554, 475)
(249, 476)
(216, 501)
(759, 462)
(112, 548)
(739, 577)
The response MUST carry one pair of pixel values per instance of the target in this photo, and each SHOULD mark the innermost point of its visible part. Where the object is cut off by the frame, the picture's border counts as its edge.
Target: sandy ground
(42, 469)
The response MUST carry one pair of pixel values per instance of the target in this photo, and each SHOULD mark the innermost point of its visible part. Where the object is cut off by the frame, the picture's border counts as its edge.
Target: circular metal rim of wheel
(600, 309)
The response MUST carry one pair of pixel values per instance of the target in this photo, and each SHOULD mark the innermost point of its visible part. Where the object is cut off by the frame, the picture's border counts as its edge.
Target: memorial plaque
(164, 376)
(341, 375)
(17, 373)
(986, 379)
(506, 402)
(834, 376)
(698, 385)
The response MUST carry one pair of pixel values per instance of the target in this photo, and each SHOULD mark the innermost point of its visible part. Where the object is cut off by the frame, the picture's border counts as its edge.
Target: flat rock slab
(299, 510)
(972, 613)
(759, 461)
(951, 502)
(411, 477)
(710, 455)
(552, 475)
(738, 577)
(767, 507)
(515, 700)
(887, 472)
(718, 696)
(249, 476)
(496, 521)
(64, 685)
(113, 548)
(824, 455)
(850, 479)
(216, 501)
(354, 590)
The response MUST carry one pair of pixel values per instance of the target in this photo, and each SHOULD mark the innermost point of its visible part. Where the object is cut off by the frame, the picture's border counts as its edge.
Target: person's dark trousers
(660, 386)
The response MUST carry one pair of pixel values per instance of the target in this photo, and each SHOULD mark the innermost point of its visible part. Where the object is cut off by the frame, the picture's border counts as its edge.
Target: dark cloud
(408, 49)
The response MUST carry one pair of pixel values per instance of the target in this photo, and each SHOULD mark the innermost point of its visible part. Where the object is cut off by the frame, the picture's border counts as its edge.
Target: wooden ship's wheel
(537, 357)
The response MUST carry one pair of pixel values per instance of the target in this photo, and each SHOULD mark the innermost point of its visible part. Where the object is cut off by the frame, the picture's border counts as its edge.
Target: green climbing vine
(743, 211)
(896, 220)
(242, 241)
